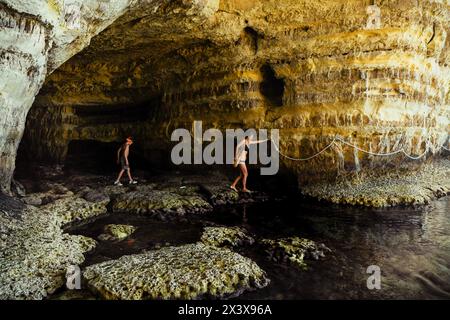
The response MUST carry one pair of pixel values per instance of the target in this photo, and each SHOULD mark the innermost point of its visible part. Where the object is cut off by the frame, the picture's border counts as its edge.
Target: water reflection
(411, 246)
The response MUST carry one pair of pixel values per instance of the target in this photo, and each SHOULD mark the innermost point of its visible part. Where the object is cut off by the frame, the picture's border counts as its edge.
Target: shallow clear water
(411, 247)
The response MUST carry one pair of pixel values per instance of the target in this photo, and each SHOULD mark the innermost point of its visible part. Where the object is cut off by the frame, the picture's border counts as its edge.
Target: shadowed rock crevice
(271, 87)
(253, 36)
(115, 113)
(11, 206)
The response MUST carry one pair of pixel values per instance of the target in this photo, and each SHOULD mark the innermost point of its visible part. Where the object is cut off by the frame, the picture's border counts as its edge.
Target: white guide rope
(359, 149)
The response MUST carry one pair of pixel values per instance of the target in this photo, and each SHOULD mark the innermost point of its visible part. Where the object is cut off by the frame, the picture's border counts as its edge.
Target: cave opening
(97, 157)
(120, 113)
(272, 88)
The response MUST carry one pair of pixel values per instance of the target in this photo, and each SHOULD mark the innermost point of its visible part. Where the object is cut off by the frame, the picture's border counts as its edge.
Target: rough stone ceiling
(158, 43)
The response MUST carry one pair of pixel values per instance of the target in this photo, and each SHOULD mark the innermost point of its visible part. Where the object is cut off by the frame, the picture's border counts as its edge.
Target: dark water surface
(411, 247)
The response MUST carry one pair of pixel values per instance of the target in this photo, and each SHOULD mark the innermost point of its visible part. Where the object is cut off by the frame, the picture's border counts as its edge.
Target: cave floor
(167, 210)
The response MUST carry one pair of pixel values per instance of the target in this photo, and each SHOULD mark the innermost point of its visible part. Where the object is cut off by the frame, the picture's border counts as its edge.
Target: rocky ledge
(163, 196)
(146, 199)
(185, 272)
(404, 187)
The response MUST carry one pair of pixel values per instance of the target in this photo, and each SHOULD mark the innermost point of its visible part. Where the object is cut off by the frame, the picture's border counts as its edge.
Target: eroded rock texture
(191, 271)
(294, 250)
(36, 37)
(34, 251)
(376, 76)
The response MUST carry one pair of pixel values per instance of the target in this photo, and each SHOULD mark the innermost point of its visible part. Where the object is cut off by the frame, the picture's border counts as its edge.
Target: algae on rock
(186, 272)
(117, 232)
(157, 201)
(35, 252)
(294, 250)
(226, 237)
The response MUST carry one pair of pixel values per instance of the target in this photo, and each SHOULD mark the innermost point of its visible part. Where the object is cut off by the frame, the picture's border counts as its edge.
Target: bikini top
(241, 151)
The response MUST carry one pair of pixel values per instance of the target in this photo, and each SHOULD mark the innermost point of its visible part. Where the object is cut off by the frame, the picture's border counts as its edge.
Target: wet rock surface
(215, 187)
(294, 250)
(146, 200)
(75, 209)
(184, 272)
(74, 295)
(116, 232)
(96, 196)
(226, 237)
(35, 252)
(35, 235)
(403, 187)
(359, 237)
(10, 206)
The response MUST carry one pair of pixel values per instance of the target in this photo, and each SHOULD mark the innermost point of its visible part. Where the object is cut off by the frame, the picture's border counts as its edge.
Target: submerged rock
(216, 188)
(226, 236)
(74, 295)
(116, 232)
(294, 250)
(185, 272)
(346, 70)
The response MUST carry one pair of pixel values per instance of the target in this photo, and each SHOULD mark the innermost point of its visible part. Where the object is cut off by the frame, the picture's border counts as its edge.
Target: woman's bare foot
(233, 188)
(246, 191)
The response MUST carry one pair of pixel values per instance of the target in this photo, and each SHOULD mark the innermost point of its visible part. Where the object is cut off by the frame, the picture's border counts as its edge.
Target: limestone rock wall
(35, 38)
(377, 76)
(24, 47)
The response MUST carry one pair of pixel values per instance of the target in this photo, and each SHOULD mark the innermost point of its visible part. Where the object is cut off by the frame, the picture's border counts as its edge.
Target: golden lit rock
(376, 76)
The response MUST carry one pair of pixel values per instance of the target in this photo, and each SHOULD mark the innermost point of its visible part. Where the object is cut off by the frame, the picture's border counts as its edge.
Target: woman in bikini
(241, 158)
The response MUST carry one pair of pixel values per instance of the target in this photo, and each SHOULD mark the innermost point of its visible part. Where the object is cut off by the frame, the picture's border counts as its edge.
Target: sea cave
(357, 92)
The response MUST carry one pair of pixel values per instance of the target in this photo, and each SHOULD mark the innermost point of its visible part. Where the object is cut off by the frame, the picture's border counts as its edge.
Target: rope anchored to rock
(337, 138)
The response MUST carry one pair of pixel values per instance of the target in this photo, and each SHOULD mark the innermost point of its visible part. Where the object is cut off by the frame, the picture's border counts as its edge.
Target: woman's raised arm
(258, 141)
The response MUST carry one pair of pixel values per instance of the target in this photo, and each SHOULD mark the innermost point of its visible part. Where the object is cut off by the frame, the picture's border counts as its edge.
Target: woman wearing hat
(122, 159)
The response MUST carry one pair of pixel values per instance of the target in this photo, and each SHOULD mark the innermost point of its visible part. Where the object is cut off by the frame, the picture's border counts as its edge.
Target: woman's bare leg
(120, 175)
(244, 177)
(233, 186)
(129, 175)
